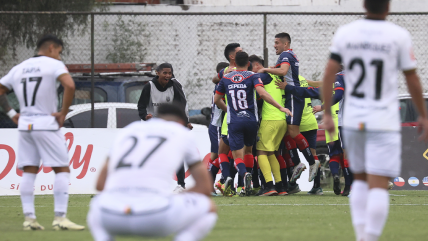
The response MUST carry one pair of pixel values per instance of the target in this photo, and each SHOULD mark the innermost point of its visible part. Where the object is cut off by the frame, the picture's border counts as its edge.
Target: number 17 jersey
(372, 52)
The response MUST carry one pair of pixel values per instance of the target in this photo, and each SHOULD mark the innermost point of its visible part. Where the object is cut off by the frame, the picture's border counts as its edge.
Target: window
(132, 94)
(126, 116)
(83, 120)
(83, 96)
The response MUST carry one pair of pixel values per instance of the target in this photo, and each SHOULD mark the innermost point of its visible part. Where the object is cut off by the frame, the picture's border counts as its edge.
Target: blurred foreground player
(371, 118)
(34, 82)
(134, 183)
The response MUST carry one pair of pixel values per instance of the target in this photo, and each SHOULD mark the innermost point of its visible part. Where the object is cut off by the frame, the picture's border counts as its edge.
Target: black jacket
(179, 96)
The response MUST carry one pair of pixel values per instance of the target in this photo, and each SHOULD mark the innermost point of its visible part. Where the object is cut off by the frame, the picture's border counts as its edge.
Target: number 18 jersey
(372, 52)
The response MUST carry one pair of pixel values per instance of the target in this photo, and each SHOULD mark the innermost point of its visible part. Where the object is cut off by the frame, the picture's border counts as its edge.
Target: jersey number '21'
(122, 163)
(378, 63)
(241, 96)
(24, 82)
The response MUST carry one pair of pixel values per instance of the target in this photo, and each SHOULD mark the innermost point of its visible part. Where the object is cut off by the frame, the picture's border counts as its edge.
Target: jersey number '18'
(241, 96)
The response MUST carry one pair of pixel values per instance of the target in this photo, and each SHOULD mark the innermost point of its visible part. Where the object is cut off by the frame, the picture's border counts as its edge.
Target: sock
(376, 213)
(61, 193)
(27, 194)
(288, 160)
(348, 176)
(303, 145)
(262, 179)
(249, 163)
(265, 168)
(269, 184)
(317, 180)
(240, 165)
(283, 171)
(290, 172)
(274, 165)
(213, 170)
(256, 182)
(198, 229)
(334, 164)
(292, 149)
(358, 204)
(224, 166)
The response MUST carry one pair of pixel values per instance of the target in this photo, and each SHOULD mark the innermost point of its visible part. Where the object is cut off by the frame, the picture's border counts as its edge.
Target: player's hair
(283, 36)
(49, 38)
(172, 109)
(254, 58)
(229, 49)
(163, 66)
(377, 7)
(241, 59)
(221, 66)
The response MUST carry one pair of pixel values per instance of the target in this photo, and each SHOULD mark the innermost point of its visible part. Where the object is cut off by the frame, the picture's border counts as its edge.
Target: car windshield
(83, 120)
(408, 111)
(133, 93)
(83, 96)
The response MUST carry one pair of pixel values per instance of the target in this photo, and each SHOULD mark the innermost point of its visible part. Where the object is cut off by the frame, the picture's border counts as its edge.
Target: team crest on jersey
(237, 78)
(168, 99)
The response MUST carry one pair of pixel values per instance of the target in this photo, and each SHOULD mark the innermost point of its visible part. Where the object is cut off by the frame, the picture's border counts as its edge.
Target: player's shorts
(334, 148)
(242, 134)
(295, 105)
(342, 142)
(151, 216)
(225, 139)
(375, 153)
(270, 134)
(215, 135)
(311, 137)
(49, 146)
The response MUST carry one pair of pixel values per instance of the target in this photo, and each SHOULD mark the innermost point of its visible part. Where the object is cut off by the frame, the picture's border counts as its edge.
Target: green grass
(294, 217)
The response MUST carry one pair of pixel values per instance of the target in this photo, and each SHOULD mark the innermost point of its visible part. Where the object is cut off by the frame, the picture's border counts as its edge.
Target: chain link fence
(122, 49)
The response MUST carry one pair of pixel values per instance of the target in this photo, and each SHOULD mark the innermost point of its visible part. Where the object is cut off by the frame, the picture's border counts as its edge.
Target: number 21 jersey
(372, 52)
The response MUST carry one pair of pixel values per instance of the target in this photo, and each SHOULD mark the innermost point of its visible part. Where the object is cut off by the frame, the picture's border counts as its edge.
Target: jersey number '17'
(24, 82)
(240, 99)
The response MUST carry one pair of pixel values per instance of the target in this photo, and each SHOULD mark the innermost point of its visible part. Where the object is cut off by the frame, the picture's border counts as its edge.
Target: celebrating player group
(261, 119)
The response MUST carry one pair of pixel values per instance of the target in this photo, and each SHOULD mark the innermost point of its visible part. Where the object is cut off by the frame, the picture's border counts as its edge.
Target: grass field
(294, 217)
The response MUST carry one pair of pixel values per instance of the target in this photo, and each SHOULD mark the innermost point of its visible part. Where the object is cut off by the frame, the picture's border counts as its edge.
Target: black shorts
(295, 105)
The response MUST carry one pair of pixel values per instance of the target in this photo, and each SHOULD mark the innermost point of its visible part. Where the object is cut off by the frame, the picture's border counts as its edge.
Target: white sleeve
(60, 69)
(406, 56)
(192, 154)
(7, 80)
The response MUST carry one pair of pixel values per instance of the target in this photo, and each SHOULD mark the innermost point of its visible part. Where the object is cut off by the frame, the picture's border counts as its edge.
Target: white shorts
(48, 146)
(375, 153)
(158, 219)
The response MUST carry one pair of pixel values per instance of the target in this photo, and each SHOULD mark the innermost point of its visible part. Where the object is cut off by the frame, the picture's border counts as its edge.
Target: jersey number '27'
(122, 162)
(24, 82)
(378, 63)
(241, 96)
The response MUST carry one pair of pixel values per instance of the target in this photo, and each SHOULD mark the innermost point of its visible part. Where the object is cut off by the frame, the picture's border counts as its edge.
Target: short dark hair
(283, 35)
(254, 58)
(173, 109)
(221, 66)
(376, 6)
(49, 38)
(229, 49)
(163, 66)
(241, 59)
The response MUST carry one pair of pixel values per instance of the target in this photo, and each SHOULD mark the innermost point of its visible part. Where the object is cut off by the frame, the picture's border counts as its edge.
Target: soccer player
(372, 51)
(34, 82)
(242, 117)
(287, 66)
(134, 183)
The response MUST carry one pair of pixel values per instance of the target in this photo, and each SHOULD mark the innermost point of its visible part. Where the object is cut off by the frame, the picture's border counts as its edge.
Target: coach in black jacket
(163, 89)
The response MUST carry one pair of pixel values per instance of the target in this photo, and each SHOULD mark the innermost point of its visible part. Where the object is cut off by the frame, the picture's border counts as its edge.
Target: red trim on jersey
(218, 92)
(259, 85)
(285, 63)
(339, 88)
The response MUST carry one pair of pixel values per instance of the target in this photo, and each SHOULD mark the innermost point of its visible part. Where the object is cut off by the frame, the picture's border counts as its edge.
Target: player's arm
(202, 178)
(218, 100)
(6, 107)
(315, 84)
(3, 89)
(69, 87)
(102, 177)
(269, 99)
(298, 91)
(281, 71)
(333, 66)
(143, 102)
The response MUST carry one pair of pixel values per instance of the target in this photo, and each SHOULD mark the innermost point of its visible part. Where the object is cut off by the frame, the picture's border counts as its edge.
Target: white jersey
(146, 155)
(372, 52)
(35, 83)
(216, 113)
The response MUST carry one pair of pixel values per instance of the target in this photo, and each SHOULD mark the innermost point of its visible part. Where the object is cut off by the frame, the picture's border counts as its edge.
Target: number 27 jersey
(239, 87)
(372, 52)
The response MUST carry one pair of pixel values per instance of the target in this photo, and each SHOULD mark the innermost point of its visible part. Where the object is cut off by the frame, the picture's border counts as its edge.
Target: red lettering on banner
(10, 162)
(43, 188)
(51, 187)
(12, 186)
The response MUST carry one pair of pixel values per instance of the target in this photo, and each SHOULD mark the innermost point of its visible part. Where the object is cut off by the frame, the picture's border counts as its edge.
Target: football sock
(213, 170)
(358, 204)
(303, 145)
(269, 185)
(288, 161)
(198, 229)
(249, 163)
(27, 194)
(265, 167)
(376, 213)
(224, 166)
(256, 182)
(61, 193)
(262, 179)
(334, 165)
(240, 165)
(274, 164)
(291, 146)
(348, 176)
(283, 171)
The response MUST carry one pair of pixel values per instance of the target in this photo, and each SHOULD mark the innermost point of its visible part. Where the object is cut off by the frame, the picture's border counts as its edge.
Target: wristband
(11, 113)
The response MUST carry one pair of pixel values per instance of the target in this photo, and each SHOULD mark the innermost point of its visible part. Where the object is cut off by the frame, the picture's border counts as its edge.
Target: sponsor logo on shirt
(243, 114)
(413, 181)
(285, 59)
(237, 78)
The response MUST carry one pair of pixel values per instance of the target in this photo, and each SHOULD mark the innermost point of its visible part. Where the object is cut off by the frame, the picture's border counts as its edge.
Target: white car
(106, 115)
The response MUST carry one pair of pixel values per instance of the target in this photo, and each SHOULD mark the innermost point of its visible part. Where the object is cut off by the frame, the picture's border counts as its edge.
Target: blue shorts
(225, 139)
(311, 137)
(214, 133)
(242, 134)
(341, 137)
(334, 148)
(295, 105)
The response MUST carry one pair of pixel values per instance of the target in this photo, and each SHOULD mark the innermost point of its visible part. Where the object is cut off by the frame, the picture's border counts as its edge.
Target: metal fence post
(265, 50)
(92, 71)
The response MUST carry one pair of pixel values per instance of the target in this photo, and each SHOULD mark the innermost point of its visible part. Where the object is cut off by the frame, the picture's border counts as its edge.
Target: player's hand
(317, 108)
(262, 70)
(60, 117)
(149, 116)
(15, 118)
(285, 110)
(281, 85)
(423, 129)
(189, 126)
(329, 125)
